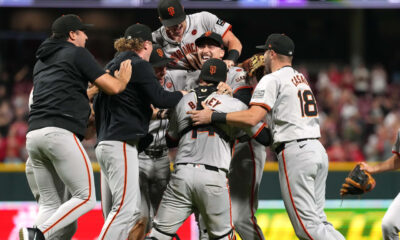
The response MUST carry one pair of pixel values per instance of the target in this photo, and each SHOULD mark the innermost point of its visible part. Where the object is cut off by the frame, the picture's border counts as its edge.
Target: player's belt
(208, 167)
(281, 146)
(155, 153)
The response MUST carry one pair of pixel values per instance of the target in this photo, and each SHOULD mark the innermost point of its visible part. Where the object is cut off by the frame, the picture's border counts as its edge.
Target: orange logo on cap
(213, 70)
(160, 52)
(270, 46)
(171, 11)
(207, 33)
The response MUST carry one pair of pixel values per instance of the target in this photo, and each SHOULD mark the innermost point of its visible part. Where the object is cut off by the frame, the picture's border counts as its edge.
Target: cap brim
(173, 21)
(86, 26)
(201, 39)
(263, 47)
(163, 62)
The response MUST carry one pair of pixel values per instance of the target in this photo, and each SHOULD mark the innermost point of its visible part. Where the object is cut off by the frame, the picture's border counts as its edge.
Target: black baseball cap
(69, 22)
(214, 71)
(280, 43)
(158, 58)
(210, 35)
(171, 12)
(140, 31)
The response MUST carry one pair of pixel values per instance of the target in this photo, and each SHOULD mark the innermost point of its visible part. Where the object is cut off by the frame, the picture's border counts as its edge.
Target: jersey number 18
(308, 105)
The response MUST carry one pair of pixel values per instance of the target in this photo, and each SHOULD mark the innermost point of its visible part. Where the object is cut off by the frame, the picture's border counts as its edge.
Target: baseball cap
(140, 31)
(210, 35)
(280, 43)
(158, 58)
(69, 22)
(171, 12)
(214, 71)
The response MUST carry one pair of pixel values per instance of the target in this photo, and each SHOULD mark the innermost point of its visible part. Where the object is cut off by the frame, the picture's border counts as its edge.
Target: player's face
(160, 74)
(79, 38)
(176, 31)
(267, 61)
(208, 50)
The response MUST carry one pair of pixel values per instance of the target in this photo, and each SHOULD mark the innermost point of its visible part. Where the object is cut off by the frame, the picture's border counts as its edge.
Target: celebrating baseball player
(179, 31)
(58, 120)
(154, 164)
(200, 177)
(391, 221)
(285, 97)
(124, 120)
(248, 156)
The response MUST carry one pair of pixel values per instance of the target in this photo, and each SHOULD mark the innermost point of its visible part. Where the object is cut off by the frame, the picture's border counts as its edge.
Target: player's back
(207, 144)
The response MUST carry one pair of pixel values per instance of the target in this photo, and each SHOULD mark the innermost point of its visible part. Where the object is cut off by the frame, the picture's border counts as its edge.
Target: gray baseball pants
(67, 232)
(192, 186)
(391, 221)
(57, 154)
(120, 170)
(303, 169)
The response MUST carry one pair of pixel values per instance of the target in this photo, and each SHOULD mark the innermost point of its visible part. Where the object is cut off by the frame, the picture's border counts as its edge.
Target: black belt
(155, 153)
(281, 146)
(208, 167)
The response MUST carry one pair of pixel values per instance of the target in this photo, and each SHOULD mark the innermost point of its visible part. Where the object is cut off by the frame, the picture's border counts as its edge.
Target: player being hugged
(199, 180)
(285, 97)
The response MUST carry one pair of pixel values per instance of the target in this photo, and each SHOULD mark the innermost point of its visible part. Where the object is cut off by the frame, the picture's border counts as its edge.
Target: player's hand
(125, 71)
(200, 117)
(229, 63)
(366, 167)
(224, 88)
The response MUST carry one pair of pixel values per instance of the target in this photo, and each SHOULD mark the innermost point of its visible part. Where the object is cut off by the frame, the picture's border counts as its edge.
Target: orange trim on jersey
(124, 192)
(261, 105)
(226, 31)
(259, 130)
(398, 154)
(253, 184)
(90, 189)
(291, 197)
(242, 87)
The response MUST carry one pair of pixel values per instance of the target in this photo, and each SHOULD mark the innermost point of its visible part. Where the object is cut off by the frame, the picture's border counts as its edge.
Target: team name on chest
(297, 79)
(186, 48)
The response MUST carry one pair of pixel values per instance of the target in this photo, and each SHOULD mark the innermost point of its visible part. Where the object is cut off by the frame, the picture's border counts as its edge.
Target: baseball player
(248, 156)
(154, 164)
(57, 122)
(179, 31)
(199, 181)
(285, 97)
(391, 221)
(68, 231)
(123, 121)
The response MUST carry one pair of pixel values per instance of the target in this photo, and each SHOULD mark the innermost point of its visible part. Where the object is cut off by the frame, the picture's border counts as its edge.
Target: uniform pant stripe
(90, 188)
(291, 197)
(124, 192)
(253, 183)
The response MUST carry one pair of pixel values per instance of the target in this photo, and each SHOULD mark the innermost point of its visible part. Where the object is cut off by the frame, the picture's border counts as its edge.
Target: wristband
(218, 117)
(233, 55)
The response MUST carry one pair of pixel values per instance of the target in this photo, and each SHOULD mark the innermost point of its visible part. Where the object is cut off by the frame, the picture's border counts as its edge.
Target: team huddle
(172, 95)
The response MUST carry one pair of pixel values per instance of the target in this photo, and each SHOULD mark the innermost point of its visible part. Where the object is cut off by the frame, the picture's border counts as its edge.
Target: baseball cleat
(30, 234)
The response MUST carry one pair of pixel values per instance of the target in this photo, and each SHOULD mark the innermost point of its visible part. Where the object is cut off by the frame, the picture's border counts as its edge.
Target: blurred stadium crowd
(359, 112)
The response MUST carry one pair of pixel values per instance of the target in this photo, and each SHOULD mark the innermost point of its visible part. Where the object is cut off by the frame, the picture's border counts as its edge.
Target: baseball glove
(357, 182)
(254, 65)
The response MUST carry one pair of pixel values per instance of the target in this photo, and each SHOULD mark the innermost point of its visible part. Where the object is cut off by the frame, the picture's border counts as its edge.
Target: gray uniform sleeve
(213, 23)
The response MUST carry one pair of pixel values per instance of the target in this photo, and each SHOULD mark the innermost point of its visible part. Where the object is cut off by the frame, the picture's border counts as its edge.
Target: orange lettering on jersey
(160, 52)
(213, 102)
(192, 105)
(298, 79)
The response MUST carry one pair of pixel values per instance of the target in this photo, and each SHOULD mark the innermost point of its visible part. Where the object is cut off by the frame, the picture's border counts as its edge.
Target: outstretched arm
(391, 163)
